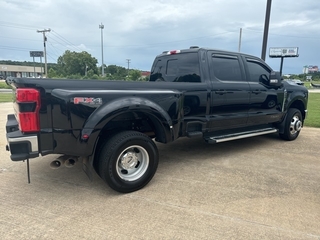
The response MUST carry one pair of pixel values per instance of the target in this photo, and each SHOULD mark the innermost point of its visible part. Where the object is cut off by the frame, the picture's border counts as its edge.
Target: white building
(310, 69)
(19, 71)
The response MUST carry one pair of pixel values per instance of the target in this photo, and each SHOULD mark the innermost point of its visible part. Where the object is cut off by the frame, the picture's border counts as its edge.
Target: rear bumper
(20, 146)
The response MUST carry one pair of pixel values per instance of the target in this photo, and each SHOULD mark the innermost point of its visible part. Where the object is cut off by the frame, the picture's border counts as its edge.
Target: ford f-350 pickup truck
(112, 125)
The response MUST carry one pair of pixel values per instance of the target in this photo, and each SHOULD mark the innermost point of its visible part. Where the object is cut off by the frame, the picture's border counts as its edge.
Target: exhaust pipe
(58, 162)
(70, 162)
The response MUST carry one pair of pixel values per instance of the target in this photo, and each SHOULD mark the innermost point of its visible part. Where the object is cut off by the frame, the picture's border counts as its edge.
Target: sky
(139, 30)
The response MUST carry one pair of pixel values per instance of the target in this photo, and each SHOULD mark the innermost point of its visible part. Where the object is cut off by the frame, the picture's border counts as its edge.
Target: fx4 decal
(87, 100)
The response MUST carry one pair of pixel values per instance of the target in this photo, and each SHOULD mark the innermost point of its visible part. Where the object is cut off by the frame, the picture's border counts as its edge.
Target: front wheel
(128, 161)
(293, 124)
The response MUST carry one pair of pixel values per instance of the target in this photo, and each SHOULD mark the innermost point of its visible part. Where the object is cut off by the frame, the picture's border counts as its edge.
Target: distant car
(296, 81)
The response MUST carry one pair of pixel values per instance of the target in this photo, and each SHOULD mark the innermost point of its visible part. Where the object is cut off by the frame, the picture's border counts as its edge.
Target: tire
(293, 124)
(128, 161)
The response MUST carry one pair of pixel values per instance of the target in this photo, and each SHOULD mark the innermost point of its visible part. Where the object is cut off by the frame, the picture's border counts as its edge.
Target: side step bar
(240, 135)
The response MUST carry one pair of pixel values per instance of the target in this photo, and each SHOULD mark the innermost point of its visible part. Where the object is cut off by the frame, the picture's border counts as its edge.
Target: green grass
(4, 85)
(308, 84)
(5, 97)
(313, 118)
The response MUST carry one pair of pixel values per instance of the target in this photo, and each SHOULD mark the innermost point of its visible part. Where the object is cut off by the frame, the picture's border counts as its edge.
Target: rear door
(230, 91)
(181, 71)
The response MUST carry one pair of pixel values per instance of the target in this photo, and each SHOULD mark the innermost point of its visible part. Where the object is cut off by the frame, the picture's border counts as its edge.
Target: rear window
(182, 67)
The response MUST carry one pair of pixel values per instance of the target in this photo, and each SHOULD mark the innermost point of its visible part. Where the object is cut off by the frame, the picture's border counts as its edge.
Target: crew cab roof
(194, 49)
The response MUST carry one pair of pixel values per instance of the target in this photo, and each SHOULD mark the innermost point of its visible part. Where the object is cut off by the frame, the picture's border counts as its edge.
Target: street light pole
(101, 26)
(240, 39)
(266, 31)
(45, 49)
(128, 61)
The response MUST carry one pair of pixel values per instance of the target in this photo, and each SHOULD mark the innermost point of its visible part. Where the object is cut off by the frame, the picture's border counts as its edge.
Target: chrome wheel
(296, 124)
(127, 161)
(292, 125)
(132, 163)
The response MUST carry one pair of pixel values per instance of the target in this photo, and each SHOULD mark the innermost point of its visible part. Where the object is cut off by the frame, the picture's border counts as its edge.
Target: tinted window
(256, 69)
(172, 67)
(157, 71)
(226, 67)
(181, 67)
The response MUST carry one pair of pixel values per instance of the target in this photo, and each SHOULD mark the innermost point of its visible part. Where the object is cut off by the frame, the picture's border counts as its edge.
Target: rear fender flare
(107, 112)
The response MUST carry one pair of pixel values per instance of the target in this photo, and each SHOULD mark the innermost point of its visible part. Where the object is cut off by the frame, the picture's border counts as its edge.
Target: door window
(226, 67)
(183, 67)
(256, 69)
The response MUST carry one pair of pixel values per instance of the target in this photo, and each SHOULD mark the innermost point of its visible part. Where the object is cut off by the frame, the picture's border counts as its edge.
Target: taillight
(28, 100)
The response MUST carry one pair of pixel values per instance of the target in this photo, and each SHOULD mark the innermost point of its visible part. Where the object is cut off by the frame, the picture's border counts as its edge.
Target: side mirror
(275, 79)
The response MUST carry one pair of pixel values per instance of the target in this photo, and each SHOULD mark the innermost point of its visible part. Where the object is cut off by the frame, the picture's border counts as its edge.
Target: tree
(52, 73)
(112, 69)
(134, 75)
(90, 73)
(75, 63)
(116, 72)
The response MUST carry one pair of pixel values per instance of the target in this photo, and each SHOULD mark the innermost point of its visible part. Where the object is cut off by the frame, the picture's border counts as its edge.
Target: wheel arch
(133, 113)
(299, 104)
(137, 120)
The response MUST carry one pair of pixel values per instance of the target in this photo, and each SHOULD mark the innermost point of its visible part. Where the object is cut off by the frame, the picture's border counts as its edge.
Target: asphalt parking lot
(257, 188)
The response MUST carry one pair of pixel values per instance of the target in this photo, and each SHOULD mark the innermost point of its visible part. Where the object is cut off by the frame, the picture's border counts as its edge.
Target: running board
(240, 135)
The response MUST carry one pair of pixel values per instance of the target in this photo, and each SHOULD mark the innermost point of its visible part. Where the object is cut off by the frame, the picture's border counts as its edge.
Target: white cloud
(141, 29)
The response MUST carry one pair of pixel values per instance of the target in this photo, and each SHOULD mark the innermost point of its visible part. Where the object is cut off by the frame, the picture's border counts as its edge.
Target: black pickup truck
(112, 125)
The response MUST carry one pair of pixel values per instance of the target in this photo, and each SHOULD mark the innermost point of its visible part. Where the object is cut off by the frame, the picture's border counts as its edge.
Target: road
(314, 90)
(257, 188)
(3, 90)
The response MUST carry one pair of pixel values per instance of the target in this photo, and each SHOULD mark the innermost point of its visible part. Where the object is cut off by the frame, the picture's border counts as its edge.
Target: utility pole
(101, 26)
(266, 31)
(240, 39)
(45, 49)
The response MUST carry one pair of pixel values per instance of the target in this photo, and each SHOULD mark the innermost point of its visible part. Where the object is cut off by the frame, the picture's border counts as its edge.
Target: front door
(266, 102)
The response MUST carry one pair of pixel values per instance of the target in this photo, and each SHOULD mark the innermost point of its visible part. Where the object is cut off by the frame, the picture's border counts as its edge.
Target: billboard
(276, 52)
(313, 69)
(36, 54)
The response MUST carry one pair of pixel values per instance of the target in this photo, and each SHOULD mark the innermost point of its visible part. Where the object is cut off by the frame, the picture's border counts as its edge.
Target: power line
(163, 43)
(55, 39)
(55, 50)
(14, 48)
(51, 57)
(282, 35)
(26, 28)
(66, 47)
(17, 25)
(21, 50)
(33, 40)
(66, 41)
